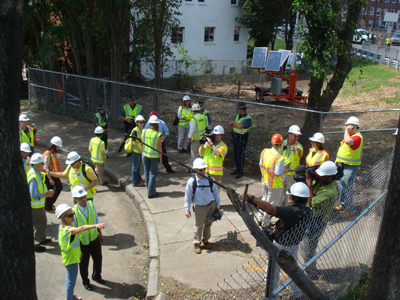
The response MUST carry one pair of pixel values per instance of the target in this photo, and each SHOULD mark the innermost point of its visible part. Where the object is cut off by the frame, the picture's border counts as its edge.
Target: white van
(360, 35)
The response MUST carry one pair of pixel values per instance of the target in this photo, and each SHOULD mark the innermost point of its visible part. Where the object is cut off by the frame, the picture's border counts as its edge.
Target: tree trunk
(17, 260)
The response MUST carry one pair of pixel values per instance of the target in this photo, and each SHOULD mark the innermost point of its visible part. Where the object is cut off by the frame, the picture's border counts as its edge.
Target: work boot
(197, 248)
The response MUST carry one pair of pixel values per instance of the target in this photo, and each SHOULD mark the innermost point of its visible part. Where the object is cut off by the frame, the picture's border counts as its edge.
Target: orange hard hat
(389, 36)
(276, 139)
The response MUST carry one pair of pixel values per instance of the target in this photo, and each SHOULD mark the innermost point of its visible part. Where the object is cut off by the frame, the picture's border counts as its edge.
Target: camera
(217, 215)
(207, 134)
(300, 175)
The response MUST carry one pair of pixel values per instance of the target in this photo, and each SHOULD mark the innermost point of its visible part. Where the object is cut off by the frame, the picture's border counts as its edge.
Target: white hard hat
(78, 192)
(153, 120)
(294, 129)
(195, 107)
(60, 209)
(56, 140)
(353, 121)
(199, 163)
(219, 130)
(186, 97)
(98, 130)
(24, 147)
(327, 168)
(318, 137)
(72, 157)
(37, 158)
(23, 117)
(299, 189)
(139, 118)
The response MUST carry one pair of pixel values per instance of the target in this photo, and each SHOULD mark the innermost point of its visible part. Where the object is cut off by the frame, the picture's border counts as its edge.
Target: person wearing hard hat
(52, 164)
(323, 196)
(101, 118)
(97, 151)
(241, 124)
(214, 153)
(272, 168)
(292, 152)
(197, 128)
(205, 113)
(184, 114)
(317, 154)
(68, 239)
(25, 151)
(136, 132)
(27, 134)
(291, 227)
(129, 112)
(38, 191)
(349, 154)
(388, 42)
(90, 241)
(79, 173)
(205, 198)
(163, 129)
(151, 158)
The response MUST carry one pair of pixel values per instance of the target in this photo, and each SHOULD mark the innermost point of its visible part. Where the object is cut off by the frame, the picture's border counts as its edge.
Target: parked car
(360, 35)
(396, 38)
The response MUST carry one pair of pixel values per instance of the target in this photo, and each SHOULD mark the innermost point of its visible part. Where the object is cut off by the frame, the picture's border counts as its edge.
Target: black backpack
(195, 184)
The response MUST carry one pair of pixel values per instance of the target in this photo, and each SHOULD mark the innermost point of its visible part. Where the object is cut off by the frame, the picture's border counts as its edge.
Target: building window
(370, 23)
(378, 12)
(177, 35)
(393, 1)
(392, 10)
(387, 1)
(234, 2)
(236, 32)
(209, 34)
(364, 12)
(344, 9)
(371, 11)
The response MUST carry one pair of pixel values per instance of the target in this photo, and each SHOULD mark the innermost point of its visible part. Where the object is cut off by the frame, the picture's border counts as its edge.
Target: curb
(140, 203)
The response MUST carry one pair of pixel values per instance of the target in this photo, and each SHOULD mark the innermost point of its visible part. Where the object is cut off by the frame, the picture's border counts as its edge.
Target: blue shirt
(246, 123)
(95, 120)
(203, 194)
(122, 112)
(162, 127)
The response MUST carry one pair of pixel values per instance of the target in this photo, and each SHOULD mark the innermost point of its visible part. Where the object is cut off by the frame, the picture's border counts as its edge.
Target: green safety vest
(95, 150)
(316, 158)
(27, 164)
(215, 163)
(86, 236)
(150, 137)
(244, 130)
(78, 179)
(132, 113)
(269, 159)
(23, 138)
(349, 156)
(289, 156)
(70, 251)
(137, 141)
(33, 175)
(200, 124)
(188, 115)
(102, 121)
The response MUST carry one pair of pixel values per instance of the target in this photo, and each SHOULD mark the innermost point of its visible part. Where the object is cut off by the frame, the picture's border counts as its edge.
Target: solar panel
(285, 55)
(290, 60)
(259, 57)
(273, 61)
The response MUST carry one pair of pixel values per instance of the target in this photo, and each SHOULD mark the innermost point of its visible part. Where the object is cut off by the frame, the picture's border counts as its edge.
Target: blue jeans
(70, 280)
(345, 185)
(136, 162)
(150, 166)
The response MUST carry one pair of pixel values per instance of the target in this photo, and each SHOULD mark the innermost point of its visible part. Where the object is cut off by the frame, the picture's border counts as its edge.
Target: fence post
(63, 90)
(269, 284)
(29, 86)
(104, 95)
(321, 121)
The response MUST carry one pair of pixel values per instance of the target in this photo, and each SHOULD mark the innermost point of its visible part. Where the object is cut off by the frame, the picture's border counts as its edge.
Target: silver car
(396, 39)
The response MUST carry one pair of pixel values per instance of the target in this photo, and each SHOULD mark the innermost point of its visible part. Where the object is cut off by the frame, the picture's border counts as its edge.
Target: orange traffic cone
(379, 46)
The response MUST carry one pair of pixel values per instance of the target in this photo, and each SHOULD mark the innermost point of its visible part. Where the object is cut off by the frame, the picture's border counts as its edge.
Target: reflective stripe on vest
(150, 137)
(132, 113)
(33, 175)
(78, 179)
(137, 141)
(200, 123)
(86, 236)
(349, 156)
(23, 138)
(188, 115)
(269, 159)
(102, 121)
(215, 163)
(95, 153)
(70, 251)
(244, 130)
(290, 156)
(54, 162)
(316, 158)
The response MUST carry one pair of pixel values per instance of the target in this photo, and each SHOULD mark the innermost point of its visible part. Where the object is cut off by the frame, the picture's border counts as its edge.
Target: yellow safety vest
(269, 159)
(70, 251)
(188, 115)
(29, 139)
(86, 236)
(78, 179)
(244, 130)
(349, 156)
(150, 137)
(137, 141)
(95, 150)
(200, 124)
(27, 165)
(132, 113)
(316, 158)
(289, 156)
(215, 163)
(33, 175)
(102, 121)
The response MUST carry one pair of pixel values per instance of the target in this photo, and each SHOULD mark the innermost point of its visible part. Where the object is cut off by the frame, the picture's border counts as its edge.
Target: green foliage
(359, 291)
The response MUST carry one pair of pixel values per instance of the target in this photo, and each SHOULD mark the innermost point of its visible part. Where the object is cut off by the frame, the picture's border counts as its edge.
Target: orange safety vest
(55, 165)
(268, 162)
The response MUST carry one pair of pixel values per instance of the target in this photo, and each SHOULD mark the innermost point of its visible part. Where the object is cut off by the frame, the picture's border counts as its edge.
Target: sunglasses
(141, 122)
(201, 170)
(69, 216)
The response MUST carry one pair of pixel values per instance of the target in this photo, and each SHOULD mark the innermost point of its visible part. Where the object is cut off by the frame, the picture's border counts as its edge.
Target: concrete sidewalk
(169, 231)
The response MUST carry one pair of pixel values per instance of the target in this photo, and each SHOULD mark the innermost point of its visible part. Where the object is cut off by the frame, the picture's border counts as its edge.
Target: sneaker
(239, 176)
(99, 280)
(40, 249)
(142, 180)
(45, 241)
(139, 184)
(338, 208)
(234, 172)
(153, 196)
(171, 171)
(197, 248)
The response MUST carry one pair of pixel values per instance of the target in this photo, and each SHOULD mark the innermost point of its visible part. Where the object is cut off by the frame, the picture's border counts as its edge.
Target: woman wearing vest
(184, 115)
(317, 154)
(137, 151)
(151, 158)
(70, 246)
(98, 153)
(52, 164)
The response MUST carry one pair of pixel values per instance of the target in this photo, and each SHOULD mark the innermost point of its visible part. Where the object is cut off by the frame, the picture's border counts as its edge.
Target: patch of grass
(359, 291)
(395, 99)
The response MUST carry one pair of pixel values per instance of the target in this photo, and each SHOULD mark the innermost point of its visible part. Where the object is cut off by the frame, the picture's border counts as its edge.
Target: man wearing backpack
(79, 173)
(205, 198)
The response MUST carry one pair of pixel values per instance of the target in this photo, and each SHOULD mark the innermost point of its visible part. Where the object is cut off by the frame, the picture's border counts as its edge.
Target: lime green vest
(70, 251)
(139, 135)
(290, 156)
(349, 156)
(150, 137)
(215, 163)
(188, 115)
(27, 164)
(102, 122)
(244, 130)
(33, 175)
(316, 158)
(23, 138)
(132, 113)
(78, 179)
(200, 124)
(86, 236)
(269, 159)
(95, 152)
